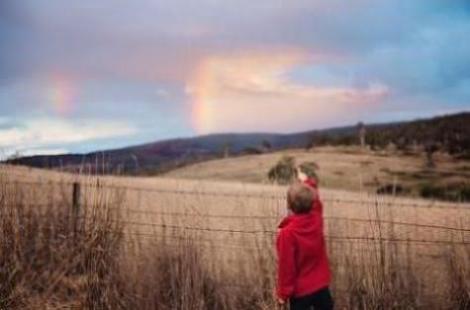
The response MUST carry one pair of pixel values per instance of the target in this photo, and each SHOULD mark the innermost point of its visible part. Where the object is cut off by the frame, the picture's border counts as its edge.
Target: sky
(78, 76)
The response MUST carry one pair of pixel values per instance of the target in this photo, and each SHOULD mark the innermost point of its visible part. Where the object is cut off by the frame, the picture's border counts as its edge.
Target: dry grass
(345, 168)
(174, 244)
(50, 259)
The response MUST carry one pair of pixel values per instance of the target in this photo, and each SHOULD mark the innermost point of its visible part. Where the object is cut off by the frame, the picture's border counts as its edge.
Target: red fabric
(303, 265)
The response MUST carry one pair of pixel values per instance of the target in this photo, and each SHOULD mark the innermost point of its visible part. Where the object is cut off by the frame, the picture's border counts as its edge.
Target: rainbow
(214, 88)
(61, 94)
(203, 90)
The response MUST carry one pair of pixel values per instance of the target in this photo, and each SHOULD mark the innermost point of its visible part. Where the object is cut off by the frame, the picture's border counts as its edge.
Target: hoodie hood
(302, 223)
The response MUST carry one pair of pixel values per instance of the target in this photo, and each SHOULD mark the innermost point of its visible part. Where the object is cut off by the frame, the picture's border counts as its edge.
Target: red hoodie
(303, 265)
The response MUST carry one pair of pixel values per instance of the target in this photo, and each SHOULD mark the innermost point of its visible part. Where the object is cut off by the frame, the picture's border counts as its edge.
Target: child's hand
(281, 301)
(300, 175)
(278, 299)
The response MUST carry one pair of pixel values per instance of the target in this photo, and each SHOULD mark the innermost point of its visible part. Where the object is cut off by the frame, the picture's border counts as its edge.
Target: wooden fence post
(75, 204)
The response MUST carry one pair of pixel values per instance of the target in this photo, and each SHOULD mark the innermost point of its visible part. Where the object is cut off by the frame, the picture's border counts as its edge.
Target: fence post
(75, 204)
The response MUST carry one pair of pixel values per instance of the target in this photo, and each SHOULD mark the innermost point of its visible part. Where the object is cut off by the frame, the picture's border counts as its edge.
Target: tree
(402, 144)
(266, 145)
(251, 150)
(284, 171)
(430, 148)
(376, 140)
(361, 131)
(312, 141)
(13, 157)
(226, 150)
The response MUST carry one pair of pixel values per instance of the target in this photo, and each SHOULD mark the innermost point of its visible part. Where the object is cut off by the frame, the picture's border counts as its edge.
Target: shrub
(465, 192)
(284, 171)
(459, 191)
(432, 191)
(310, 169)
(252, 150)
(392, 189)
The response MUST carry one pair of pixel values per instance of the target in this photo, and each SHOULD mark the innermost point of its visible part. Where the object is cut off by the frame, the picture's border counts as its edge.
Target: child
(303, 269)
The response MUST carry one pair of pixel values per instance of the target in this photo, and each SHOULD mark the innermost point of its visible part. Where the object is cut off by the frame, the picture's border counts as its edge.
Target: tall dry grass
(50, 258)
(53, 259)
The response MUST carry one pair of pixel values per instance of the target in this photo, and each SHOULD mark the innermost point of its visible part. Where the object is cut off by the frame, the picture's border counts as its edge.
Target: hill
(450, 132)
(164, 155)
(349, 168)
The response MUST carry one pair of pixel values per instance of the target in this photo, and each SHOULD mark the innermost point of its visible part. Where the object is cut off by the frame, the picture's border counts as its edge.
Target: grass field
(385, 251)
(347, 168)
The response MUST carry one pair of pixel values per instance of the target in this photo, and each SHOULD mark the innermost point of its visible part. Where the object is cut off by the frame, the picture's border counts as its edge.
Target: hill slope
(346, 168)
(163, 155)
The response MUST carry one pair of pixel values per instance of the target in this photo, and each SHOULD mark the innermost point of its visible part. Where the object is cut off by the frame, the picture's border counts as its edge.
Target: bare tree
(16, 155)
(361, 130)
(226, 150)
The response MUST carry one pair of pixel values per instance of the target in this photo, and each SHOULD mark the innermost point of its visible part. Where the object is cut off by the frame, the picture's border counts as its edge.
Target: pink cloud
(251, 92)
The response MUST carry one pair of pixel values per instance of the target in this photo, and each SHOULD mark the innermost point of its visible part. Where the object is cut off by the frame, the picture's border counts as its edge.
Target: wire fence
(244, 195)
(364, 198)
(270, 232)
(264, 217)
(261, 217)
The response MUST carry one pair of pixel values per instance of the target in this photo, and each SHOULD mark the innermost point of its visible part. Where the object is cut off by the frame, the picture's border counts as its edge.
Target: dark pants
(320, 300)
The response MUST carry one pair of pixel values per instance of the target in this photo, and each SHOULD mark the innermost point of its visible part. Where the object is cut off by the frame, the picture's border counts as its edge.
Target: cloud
(252, 92)
(33, 135)
(296, 64)
(165, 41)
(46, 151)
(10, 153)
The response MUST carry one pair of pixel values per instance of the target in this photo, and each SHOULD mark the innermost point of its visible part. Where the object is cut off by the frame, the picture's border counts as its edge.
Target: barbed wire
(367, 200)
(219, 243)
(327, 237)
(245, 217)
(271, 233)
(263, 217)
(327, 218)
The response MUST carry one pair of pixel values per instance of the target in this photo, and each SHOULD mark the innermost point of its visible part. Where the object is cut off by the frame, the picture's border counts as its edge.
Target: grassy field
(347, 168)
(209, 244)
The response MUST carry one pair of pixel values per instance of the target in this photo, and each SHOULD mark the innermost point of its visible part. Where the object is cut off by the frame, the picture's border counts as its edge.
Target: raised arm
(302, 177)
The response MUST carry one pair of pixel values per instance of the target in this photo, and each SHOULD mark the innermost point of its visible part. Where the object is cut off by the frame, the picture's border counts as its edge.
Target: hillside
(163, 155)
(345, 168)
(451, 133)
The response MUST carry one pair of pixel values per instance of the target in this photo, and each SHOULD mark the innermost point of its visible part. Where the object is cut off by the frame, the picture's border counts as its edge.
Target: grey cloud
(123, 38)
(7, 124)
(123, 51)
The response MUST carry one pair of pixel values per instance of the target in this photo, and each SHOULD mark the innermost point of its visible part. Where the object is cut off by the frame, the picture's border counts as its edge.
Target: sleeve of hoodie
(312, 183)
(286, 271)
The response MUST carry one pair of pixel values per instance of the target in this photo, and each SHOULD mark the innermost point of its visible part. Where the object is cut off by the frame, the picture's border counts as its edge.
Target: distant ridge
(164, 155)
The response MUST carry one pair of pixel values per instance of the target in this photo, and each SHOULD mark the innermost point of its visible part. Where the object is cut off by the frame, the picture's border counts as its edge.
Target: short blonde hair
(300, 198)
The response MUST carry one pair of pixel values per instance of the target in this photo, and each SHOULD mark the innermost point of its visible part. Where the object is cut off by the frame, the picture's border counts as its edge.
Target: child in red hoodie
(303, 275)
